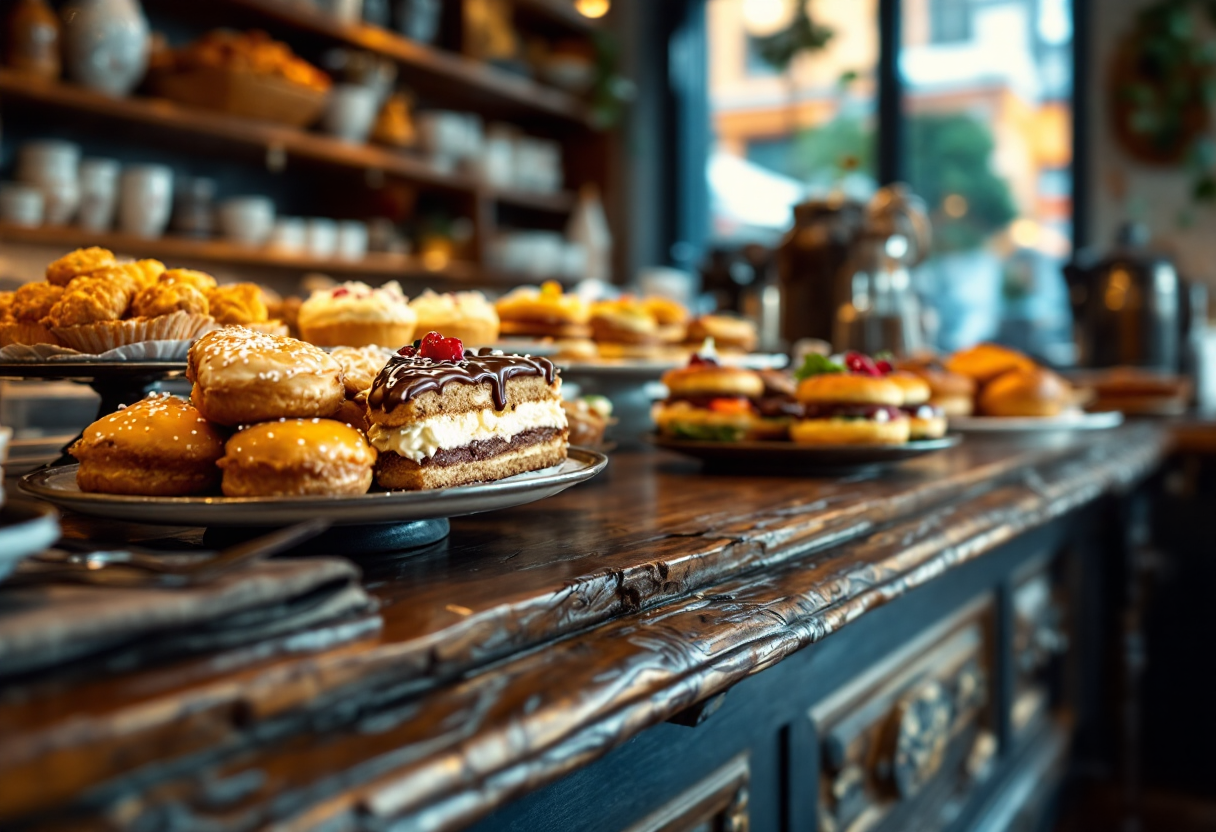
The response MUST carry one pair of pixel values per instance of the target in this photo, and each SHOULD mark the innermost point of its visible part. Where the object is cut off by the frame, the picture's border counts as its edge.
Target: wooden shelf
(263, 137)
(561, 12)
(435, 70)
(185, 252)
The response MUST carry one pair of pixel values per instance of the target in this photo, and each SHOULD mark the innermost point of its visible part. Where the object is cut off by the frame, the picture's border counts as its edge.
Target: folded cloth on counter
(46, 625)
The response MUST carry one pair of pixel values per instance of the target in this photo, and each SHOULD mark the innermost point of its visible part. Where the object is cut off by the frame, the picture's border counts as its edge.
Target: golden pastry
(241, 377)
(199, 280)
(238, 303)
(1033, 392)
(6, 306)
(984, 362)
(26, 309)
(546, 313)
(360, 366)
(159, 447)
(730, 334)
(624, 328)
(147, 272)
(102, 296)
(297, 457)
(167, 298)
(671, 317)
(79, 262)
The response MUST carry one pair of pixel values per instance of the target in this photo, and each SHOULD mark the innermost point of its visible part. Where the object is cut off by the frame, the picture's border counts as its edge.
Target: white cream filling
(423, 439)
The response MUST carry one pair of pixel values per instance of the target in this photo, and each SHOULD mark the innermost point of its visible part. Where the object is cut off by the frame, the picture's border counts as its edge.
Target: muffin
(161, 447)
(356, 315)
(464, 315)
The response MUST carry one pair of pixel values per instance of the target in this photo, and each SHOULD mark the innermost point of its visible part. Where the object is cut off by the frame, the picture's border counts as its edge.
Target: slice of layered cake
(443, 416)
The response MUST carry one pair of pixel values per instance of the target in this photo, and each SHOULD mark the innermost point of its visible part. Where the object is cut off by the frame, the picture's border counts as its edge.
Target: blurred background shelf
(433, 71)
(181, 251)
(263, 139)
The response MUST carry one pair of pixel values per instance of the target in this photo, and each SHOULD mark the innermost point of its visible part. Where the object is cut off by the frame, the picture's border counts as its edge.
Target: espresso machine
(1129, 307)
(844, 271)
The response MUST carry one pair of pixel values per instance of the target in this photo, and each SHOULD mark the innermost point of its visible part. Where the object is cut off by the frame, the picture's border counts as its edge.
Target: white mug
(352, 240)
(21, 204)
(321, 237)
(350, 112)
(98, 193)
(247, 220)
(288, 236)
(145, 200)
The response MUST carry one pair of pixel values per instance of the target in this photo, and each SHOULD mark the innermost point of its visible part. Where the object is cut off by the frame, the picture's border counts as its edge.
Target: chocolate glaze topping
(406, 377)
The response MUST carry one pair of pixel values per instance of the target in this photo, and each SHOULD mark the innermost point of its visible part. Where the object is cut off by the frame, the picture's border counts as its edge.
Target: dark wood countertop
(651, 588)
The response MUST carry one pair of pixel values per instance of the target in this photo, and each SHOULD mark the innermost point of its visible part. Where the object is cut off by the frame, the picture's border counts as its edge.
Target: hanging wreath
(1163, 83)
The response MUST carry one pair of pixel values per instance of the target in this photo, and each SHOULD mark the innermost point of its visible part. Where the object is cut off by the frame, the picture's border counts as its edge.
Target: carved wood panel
(908, 736)
(1039, 634)
(718, 803)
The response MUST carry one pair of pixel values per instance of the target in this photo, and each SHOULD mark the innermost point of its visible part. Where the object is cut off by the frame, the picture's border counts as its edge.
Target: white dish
(1050, 424)
(25, 528)
(58, 486)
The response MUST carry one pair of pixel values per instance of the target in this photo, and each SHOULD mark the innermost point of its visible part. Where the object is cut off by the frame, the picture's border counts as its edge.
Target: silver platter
(58, 486)
(1030, 425)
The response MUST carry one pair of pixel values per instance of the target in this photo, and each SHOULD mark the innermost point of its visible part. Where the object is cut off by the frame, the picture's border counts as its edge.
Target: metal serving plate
(794, 458)
(58, 486)
(1044, 424)
(645, 369)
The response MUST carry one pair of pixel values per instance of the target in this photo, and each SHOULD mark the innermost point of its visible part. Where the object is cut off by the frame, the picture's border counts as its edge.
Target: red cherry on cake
(409, 351)
(437, 348)
(861, 364)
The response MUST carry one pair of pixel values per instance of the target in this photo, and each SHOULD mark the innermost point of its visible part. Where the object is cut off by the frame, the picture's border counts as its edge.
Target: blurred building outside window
(987, 143)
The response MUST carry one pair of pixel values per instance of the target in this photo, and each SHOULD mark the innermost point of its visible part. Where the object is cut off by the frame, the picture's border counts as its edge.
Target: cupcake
(464, 315)
(356, 315)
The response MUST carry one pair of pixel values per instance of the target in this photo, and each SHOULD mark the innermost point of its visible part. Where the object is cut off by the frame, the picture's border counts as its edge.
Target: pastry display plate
(648, 369)
(58, 486)
(795, 458)
(1031, 425)
(25, 528)
(84, 368)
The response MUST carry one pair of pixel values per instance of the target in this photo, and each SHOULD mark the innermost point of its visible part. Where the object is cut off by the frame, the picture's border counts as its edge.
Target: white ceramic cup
(145, 200)
(289, 236)
(321, 237)
(53, 167)
(352, 240)
(98, 193)
(21, 204)
(350, 112)
(247, 220)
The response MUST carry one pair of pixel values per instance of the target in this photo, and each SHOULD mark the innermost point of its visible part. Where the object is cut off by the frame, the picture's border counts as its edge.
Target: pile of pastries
(92, 302)
(624, 328)
(1005, 382)
(858, 401)
(270, 415)
(253, 52)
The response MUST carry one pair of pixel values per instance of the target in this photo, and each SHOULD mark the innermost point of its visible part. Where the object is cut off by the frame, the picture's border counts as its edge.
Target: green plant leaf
(817, 365)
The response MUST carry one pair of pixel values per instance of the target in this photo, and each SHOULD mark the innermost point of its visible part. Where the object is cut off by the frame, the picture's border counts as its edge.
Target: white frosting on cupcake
(435, 309)
(357, 302)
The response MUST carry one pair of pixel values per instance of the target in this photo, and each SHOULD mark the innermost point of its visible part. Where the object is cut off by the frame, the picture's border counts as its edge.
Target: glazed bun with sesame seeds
(849, 404)
(242, 377)
(297, 458)
(159, 447)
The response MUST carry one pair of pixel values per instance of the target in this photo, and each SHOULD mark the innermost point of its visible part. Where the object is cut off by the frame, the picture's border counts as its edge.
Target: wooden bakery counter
(657, 649)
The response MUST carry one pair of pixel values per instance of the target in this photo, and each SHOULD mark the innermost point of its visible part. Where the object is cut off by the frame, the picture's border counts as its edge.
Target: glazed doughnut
(297, 458)
(241, 377)
(159, 447)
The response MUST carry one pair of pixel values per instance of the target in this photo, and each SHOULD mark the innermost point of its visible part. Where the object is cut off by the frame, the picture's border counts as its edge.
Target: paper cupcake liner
(14, 332)
(107, 335)
(143, 351)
